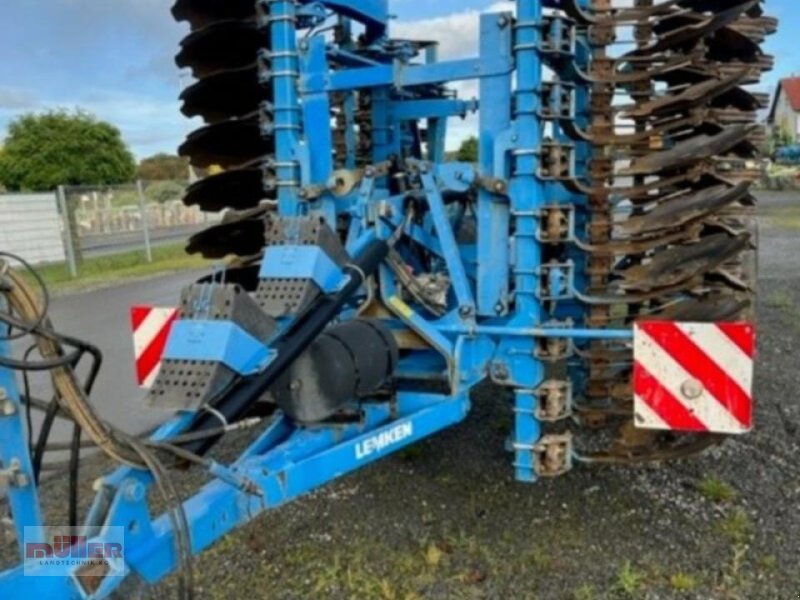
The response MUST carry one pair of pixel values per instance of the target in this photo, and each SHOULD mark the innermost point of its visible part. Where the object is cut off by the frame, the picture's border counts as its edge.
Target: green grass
(768, 564)
(115, 268)
(585, 592)
(683, 582)
(630, 581)
(787, 217)
(737, 526)
(780, 299)
(714, 489)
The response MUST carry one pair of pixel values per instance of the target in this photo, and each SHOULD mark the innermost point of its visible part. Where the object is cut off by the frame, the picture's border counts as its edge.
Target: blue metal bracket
(401, 76)
(558, 41)
(218, 341)
(414, 110)
(494, 218)
(556, 281)
(527, 433)
(455, 176)
(558, 101)
(444, 232)
(311, 15)
(316, 107)
(302, 262)
(373, 13)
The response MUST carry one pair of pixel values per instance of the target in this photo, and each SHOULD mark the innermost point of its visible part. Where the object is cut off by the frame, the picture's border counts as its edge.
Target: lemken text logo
(383, 440)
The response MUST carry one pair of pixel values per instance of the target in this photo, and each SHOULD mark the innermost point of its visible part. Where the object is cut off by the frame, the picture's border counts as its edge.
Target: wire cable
(175, 512)
(72, 398)
(26, 398)
(40, 366)
(4, 267)
(172, 441)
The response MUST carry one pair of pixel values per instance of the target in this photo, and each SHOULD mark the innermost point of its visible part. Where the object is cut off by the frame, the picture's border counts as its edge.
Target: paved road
(778, 245)
(102, 317)
(103, 245)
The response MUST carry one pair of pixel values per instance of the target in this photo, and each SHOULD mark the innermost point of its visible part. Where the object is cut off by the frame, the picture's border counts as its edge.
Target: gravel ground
(445, 520)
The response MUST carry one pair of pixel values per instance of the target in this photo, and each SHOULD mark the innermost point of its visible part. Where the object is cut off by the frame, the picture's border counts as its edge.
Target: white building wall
(30, 227)
(786, 119)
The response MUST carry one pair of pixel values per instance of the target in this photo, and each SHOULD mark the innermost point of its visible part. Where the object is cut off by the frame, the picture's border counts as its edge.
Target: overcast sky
(114, 58)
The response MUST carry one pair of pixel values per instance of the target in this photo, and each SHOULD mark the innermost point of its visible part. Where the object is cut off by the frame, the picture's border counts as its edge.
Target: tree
(164, 167)
(469, 151)
(165, 191)
(43, 151)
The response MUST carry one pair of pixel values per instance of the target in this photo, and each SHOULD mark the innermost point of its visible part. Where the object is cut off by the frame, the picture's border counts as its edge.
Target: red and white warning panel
(694, 377)
(151, 327)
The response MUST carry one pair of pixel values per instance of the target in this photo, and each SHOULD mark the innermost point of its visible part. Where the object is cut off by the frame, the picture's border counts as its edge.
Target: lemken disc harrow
(596, 261)
(670, 232)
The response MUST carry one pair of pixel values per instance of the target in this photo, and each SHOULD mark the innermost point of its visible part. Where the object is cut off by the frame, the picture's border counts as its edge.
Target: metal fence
(106, 220)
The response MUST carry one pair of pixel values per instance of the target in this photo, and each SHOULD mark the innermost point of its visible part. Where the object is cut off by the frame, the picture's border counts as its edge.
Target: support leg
(527, 433)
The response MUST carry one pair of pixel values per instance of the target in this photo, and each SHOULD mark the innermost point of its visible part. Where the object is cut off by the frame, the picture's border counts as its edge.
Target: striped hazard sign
(151, 327)
(694, 377)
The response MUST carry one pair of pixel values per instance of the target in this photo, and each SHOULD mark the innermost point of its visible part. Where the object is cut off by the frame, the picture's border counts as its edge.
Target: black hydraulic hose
(44, 435)
(77, 433)
(26, 382)
(74, 474)
(54, 407)
(75, 446)
(235, 403)
(42, 365)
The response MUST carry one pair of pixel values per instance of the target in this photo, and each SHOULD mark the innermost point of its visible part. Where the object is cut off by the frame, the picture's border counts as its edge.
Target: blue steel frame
(15, 458)
(496, 316)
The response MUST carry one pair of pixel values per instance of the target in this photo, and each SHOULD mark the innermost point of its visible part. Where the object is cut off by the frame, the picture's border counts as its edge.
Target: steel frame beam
(284, 463)
(16, 470)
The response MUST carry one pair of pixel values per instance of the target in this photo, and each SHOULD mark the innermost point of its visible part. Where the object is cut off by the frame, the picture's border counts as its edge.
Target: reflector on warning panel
(151, 327)
(694, 376)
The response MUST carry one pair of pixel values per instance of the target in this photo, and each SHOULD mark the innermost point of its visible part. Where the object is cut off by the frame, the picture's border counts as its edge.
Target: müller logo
(63, 549)
(73, 546)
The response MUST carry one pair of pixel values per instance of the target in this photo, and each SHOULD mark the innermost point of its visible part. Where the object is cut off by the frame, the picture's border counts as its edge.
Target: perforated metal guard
(189, 384)
(281, 297)
(278, 297)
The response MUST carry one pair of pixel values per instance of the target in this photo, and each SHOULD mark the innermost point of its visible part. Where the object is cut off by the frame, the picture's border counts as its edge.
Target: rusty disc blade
(682, 263)
(679, 211)
(695, 149)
